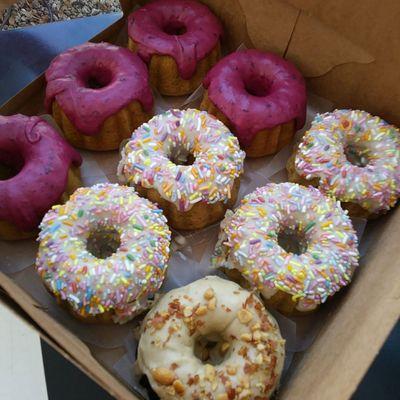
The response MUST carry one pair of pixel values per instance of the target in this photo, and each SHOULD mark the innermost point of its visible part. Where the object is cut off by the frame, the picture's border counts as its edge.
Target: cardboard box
(348, 53)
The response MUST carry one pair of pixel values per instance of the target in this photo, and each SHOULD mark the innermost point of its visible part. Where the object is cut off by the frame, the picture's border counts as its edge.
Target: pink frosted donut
(255, 91)
(178, 39)
(92, 83)
(42, 160)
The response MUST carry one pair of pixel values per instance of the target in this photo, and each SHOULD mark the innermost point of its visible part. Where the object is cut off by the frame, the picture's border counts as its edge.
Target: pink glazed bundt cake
(179, 40)
(38, 169)
(260, 96)
(98, 94)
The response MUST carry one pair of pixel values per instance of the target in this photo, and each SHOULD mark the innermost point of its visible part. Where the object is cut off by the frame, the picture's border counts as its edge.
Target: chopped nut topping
(260, 347)
(231, 393)
(212, 304)
(250, 368)
(163, 376)
(158, 324)
(193, 380)
(259, 359)
(187, 311)
(179, 387)
(170, 390)
(246, 337)
(210, 372)
(231, 370)
(224, 347)
(245, 394)
(202, 310)
(222, 396)
(245, 382)
(243, 351)
(257, 336)
(255, 327)
(164, 314)
(209, 294)
(244, 316)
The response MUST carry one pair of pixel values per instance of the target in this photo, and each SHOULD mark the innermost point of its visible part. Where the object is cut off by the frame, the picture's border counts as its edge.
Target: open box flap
(313, 46)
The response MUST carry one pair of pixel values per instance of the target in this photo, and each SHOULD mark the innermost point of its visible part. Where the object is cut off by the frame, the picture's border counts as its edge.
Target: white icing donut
(251, 347)
(175, 134)
(373, 180)
(123, 281)
(249, 243)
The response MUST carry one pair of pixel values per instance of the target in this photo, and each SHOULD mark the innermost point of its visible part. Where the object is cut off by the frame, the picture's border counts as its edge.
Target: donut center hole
(10, 165)
(356, 155)
(103, 241)
(211, 349)
(181, 156)
(292, 241)
(257, 86)
(98, 78)
(174, 28)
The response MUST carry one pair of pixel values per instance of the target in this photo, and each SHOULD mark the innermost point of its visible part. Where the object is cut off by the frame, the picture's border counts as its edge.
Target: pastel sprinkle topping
(373, 180)
(249, 243)
(174, 135)
(121, 282)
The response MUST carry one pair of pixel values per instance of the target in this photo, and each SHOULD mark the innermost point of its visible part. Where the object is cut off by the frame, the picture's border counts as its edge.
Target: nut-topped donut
(192, 196)
(353, 156)
(248, 355)
(293, 243)
(98, 94)
(104, 253)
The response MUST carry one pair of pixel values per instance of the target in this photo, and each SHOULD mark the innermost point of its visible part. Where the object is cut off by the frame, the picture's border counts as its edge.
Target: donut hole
(174, 28)
(292, 241)
(211, 349)
(258, 86)
(10, 165)
(103, 241)
(97, 78)
(356, 155)
(181, 156)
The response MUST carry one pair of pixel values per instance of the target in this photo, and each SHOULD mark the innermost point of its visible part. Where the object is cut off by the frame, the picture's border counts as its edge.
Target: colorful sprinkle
(122, 282)
(250, 244)
(176, 134)
(372, 178)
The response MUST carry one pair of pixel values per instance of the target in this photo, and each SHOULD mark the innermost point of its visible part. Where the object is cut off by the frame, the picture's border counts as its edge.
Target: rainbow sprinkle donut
(252, 244)
(104, 252)
(153, 159)
(354, 157)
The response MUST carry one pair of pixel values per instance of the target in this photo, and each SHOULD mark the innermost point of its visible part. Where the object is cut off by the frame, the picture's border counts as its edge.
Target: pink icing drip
(45, 158)
(148, 24)
(123, 73)
(279, 92)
